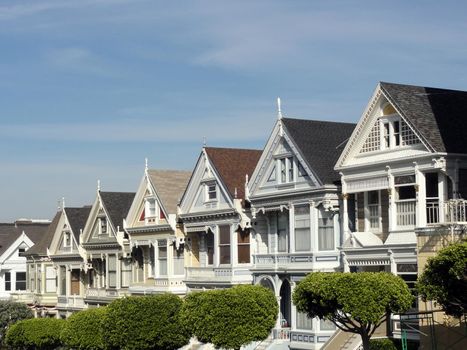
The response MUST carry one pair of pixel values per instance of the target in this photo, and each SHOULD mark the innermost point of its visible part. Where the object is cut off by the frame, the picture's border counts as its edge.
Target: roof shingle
(117, 205)
(169, 185)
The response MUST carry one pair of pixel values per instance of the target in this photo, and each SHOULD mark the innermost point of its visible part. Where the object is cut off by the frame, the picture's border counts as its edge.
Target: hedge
(83, 330)
(231, 317)
(36, 333)
(148, 322)
(382, 344)
(10, 313)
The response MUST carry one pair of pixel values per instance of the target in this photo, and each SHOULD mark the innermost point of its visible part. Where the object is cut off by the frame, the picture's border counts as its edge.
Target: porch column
(292, 228)
(345, 262)
(293, 309)
(442, 195)
(345, 214)
(313, 223)
(393, 262)
(233, 246)
(392, 215)
(420, 194)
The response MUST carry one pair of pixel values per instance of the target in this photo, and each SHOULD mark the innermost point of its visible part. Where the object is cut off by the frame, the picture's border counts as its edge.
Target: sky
(90, 88)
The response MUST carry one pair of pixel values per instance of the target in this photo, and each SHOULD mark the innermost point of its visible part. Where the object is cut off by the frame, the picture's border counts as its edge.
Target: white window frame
(67, 243)
(368, 227)
(288, 164)
(208, 190)
(151, 210)
(390, 121)
(101, 220)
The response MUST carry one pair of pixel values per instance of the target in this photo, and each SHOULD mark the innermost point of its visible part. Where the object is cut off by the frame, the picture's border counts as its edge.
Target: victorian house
(105, 249)
(294, 197)
(214, 214)
(403, 174)
(156, 240)
(64, 252)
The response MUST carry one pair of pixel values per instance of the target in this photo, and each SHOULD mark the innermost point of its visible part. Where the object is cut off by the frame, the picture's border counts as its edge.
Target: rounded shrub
(382, 344)
(10, 313)
(231, 317)
(36, 333)
(83, 330)
(147, 322)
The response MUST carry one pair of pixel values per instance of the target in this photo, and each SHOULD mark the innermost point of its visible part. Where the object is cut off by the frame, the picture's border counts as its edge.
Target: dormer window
(391, 133)
(287, 169)
(66, 239)
(211, 192)
(102, 226)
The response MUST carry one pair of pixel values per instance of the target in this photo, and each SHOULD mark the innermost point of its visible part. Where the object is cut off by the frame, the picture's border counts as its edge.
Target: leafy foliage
(83, 330)
(445, 279)
(382, 344)
(10, 313)
(36, 333)
(231, 317)
(149, 322)
(354, 302)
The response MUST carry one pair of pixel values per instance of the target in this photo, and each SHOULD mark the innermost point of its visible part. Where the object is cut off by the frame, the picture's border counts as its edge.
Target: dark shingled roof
(170, 185)
(320, 143)
(77, 218)
(117, 205)
(40, 248)
(9, 232)
(232, 164)
(439, 115)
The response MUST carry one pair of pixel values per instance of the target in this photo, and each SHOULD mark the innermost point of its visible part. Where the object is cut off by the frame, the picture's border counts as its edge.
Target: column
(392, 215)
(345, 210)
(292, 228)
(442, 195)
(233, 246)
(313, 223)
(420, 194)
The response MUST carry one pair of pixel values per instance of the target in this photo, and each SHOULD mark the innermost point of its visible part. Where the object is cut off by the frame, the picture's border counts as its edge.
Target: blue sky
(89, 88)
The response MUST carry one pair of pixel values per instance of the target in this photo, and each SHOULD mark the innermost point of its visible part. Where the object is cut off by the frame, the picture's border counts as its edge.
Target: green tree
(83, 330)
(12, 312)
(444, 279)
(354, 302)
(147, 322)
(35, 334)
(233, 317)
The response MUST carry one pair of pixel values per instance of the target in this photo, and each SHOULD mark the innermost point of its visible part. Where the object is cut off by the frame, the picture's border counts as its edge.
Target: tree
(83, 330)
(354, 302)
(232, 317)
(146, 322)
(12, 312)
(445, 279)
(36, 333)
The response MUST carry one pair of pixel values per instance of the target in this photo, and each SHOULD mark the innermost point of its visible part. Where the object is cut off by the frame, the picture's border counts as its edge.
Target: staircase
(343, 341)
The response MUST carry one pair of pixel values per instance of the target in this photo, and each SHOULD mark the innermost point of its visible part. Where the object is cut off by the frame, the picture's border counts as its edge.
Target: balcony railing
(105, 293)
(455, 210)
(405, 212)
(218, 274)
(432, 210)
(70, 301)
(281, 334)
(283, 259)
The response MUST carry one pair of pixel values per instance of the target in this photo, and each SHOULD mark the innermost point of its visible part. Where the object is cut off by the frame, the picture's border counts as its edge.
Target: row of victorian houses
(320, 196)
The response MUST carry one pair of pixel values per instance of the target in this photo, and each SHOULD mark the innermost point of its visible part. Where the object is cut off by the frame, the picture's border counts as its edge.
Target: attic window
(211, 192)
(66, 239)
(21, 250)
(102, 226)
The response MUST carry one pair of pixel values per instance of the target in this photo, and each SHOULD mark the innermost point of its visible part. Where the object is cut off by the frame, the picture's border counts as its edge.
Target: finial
(58, 205)
(98, 185)
(63, 202)
(146, 164)
(204, 141)
(279, 112)
(235, 193)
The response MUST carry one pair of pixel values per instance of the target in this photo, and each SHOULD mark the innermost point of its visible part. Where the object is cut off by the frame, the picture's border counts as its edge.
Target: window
(287, 169)
(7, 278)
(112, 266)
(126, 272)
(243, 241)
(66, 239)
(50, 279)
(283, 170)
(302, 228)
(326, 325)
(150, 208)
(162, 257)
(211, 192)
(290, 168)
(21, 281)
(179, 261)
(325, 231)
(224, 244)
(62, 280)
(32, 278)
(103, 226)
(21, 250)
(373, 209)
(282, 239)
(303, 321)
(210, 247)
(39, 278)
(152, 262)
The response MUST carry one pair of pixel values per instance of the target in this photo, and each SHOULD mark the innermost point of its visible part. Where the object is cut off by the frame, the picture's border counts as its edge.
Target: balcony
(104, 295)
(455, 211)
(70, 302)
(159, 285)
(218, 275)
(283, 260)
(405, 213)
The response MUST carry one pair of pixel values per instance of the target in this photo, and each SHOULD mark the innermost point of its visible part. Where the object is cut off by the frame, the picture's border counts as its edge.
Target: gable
(382, 133)
(98, 226)
(205, 190)
(281, 167)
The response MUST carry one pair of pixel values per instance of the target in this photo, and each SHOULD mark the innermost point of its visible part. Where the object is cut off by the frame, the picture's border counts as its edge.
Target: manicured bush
(83, 330)
(231, 317)
(149, 322)
(382, 344)
(36, 333)
(10, 313)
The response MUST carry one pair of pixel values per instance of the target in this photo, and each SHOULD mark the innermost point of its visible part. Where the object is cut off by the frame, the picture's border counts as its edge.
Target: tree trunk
(365, 341)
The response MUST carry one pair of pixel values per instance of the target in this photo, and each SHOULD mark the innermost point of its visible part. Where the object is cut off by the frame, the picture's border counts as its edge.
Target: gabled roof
(320, 143)
(439, 115)
(9, 232)
(232, 164)
(77, 219)
(169, 186)
(117, 205)
(40, 247)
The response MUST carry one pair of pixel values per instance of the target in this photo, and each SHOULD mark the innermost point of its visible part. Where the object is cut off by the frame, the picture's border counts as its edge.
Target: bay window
(326, 231)
(224, 244)
(302, 228)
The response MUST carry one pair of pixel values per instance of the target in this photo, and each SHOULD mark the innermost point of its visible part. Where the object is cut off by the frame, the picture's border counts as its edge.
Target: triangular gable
(196, 194)
(269, 172)
(370, 134)
(23, 239)
(94, 230)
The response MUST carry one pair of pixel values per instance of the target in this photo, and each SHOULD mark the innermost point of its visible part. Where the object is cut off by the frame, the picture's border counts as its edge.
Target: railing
(283, 259)
(405, 212)
(217, 273)
(432, 210)
(281, 334)
(104, 293)
(71, 301)
(455, 210)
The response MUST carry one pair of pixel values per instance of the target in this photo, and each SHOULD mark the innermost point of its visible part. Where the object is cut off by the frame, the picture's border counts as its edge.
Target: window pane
(224, 252)
(51, 279)
(224, 234)
(126, 272)
(326, 232)
(162, 261)
(243, 246)
(7, 280)
(179, 263)
(210, 247)
(302, 228)
(303, 321)
(224, 244)
(21, 281)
